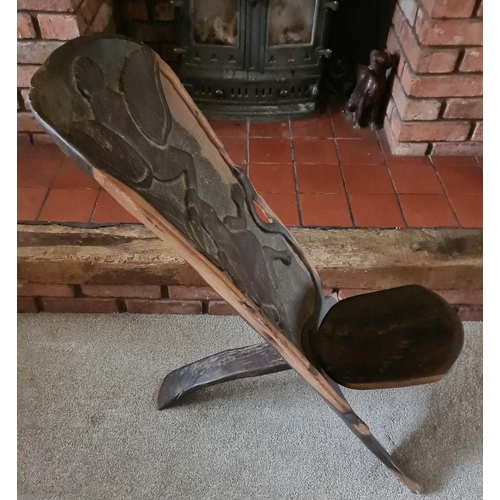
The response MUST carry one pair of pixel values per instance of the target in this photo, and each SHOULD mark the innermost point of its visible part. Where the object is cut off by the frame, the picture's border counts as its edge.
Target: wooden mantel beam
(439, 259)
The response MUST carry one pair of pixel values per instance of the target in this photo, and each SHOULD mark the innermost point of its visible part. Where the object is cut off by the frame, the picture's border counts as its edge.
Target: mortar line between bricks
(122, 306)
(39, 304)
(33, 12)
(85, 32)
(422, 47)
(431, 20)
(472, 129)
(458, 62)
(476, 9)
(36, 25)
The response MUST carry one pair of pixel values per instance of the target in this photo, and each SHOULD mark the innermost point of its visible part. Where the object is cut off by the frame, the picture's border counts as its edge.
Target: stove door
(214, 37)
(292, 34)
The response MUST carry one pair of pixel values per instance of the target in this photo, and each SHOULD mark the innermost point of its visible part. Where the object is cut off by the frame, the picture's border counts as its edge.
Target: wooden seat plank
(120, 113)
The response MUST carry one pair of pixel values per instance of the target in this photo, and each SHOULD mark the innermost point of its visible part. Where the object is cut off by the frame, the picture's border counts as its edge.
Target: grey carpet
(87, 428)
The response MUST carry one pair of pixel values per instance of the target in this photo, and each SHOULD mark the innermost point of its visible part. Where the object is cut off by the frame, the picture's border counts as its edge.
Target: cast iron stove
(252, 58)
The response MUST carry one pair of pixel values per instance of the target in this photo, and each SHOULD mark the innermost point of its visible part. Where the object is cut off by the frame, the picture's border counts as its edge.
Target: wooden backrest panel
(113, 106)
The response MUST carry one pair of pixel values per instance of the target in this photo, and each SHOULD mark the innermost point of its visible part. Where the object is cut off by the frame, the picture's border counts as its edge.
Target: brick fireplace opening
(435, 105)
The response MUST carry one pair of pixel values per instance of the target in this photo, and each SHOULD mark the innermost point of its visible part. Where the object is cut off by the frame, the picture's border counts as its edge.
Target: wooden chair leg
(362, 431)
(244, 362)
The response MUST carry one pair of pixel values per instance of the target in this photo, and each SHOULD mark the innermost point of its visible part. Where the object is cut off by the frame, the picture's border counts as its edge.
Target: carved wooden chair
(120, 113)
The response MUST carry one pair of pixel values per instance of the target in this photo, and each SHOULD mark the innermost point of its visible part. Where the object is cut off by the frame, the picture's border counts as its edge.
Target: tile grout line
(49, 188)
(386, 165)
(334, 138)
(445, 192)
(295, 178)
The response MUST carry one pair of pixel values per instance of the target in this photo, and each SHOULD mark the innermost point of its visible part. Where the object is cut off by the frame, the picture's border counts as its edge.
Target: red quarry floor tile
(272, 177)
(461, 179)
(367, 179)
(236, 148)
(376, 210)
(415, 179)
(284, 205)
(391, 159)
(69, 205)
(343, 129)
(229, 128)
(70, 176)
(268, 150)
(37, 166)
(325, 210)
(319, 179)
(465, 161)
(317, 128)
(107, 209)
(320, 151)
(270, 129)
(356, 152)
(427, 210)
(468, 208)
(29, 202)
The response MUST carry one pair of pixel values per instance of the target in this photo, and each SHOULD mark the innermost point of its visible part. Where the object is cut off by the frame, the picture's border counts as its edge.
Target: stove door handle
(335, 5)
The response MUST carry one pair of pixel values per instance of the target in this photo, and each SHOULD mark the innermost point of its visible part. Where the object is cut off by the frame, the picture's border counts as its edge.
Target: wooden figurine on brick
(369, 93)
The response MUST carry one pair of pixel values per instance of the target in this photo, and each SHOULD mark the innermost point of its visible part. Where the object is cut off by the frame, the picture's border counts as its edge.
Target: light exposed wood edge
(159, 226)
(354, 258)
(413, 486)
(396, 384)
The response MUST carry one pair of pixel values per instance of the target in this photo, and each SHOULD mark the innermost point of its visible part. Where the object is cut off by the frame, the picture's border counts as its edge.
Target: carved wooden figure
(120, 113)
(368, 95)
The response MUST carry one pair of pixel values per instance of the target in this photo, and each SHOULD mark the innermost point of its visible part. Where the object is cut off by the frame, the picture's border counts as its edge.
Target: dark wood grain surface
(105, 99)
(393, 338)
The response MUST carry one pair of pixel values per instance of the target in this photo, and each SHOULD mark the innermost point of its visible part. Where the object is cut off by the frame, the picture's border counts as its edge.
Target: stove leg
(244, 362)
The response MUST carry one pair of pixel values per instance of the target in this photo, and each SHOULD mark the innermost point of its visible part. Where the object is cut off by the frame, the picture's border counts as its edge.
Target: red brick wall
(174, 299)
(42, 26)
(436, 105)
(150, 22)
